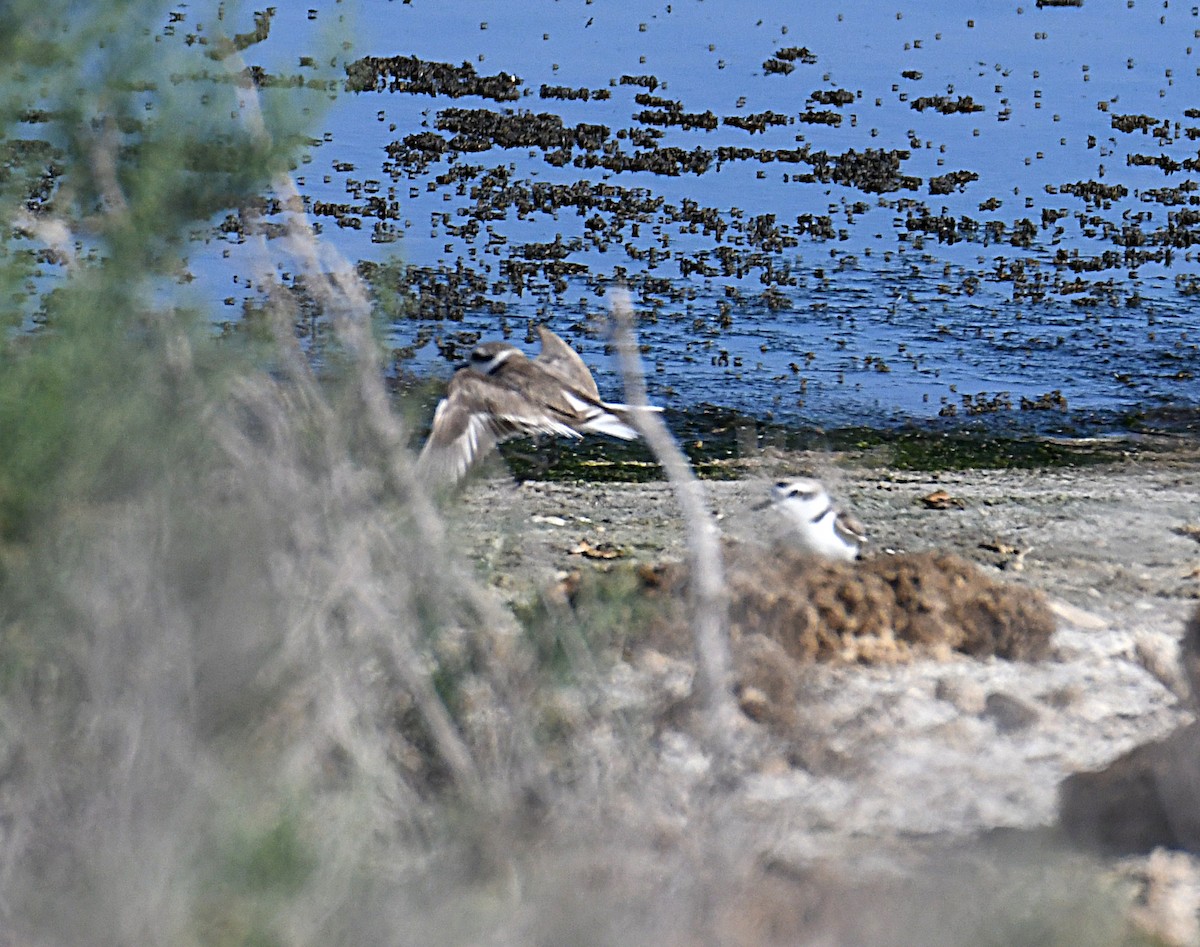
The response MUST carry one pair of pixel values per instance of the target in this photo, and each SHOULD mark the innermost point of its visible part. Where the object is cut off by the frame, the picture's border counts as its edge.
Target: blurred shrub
(216, 598)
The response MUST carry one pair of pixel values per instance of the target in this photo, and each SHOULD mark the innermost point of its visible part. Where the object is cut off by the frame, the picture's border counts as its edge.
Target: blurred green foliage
(117, 143)
(121, 139)
(269, 859)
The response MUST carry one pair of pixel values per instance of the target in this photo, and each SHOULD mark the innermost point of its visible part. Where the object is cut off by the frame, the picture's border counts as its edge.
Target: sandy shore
(934, 750)
(1107, 538)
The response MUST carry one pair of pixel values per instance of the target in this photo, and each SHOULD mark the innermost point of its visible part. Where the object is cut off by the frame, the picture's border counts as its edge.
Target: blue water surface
(873, 323)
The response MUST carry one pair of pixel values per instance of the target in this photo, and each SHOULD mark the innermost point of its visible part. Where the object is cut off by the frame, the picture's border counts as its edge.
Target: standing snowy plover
(817, 525)
(502, 394)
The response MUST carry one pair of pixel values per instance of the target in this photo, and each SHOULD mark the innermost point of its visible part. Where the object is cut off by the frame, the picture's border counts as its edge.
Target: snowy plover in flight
(818, 526)
(502, 394)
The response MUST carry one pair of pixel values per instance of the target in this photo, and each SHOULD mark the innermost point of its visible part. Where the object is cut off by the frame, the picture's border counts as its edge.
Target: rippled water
(1062, 259)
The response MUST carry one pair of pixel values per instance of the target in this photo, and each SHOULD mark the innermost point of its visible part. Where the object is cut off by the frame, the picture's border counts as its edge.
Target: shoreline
(896, 771)
(1107, 543)
(1064, 528)
(721, 444)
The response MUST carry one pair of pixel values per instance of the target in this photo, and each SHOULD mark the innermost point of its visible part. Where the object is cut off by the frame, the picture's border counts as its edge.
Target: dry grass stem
(336, 286)
(709, 603)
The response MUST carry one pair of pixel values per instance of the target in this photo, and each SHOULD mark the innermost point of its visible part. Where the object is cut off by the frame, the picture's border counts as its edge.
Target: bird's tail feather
(630, 408)
(603, 422)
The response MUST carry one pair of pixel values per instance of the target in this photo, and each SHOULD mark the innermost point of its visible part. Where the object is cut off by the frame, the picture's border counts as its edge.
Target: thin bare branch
(104, 168)
(710, 611)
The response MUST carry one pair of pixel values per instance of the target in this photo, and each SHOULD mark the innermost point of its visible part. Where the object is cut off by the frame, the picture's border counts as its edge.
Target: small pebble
(1009, 713)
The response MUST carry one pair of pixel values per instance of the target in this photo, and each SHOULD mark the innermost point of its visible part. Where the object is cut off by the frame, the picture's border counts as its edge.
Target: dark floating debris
(832, 97)
(685, 120)
(1050, 401)
(953, 181)
(478, 130)
(784, 61)
(818, 117)
(646, 82)
(757, 122)
(945, 105)
(413, 75)
(570, 95)
(616, 217)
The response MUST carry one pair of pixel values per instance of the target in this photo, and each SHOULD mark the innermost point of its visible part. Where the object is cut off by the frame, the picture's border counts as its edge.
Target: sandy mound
(882, 610)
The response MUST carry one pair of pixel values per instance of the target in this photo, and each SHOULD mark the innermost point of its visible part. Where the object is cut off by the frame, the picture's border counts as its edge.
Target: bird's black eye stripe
(781, 484)
(803, 494)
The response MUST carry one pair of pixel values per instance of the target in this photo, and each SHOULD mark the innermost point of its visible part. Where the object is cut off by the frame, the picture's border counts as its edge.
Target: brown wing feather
(852, 525)
(558, 358)
(458, 439)
(478, 412)
(560, 402)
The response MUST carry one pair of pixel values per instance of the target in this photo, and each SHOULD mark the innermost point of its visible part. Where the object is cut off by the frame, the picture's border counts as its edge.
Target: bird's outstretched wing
(562, 361)
(476, 415)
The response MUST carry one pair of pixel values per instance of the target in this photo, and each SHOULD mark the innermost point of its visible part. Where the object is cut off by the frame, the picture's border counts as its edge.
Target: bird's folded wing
(851, 526)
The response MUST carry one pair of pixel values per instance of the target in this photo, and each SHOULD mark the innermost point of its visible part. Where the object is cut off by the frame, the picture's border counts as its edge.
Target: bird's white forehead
(801, 487)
